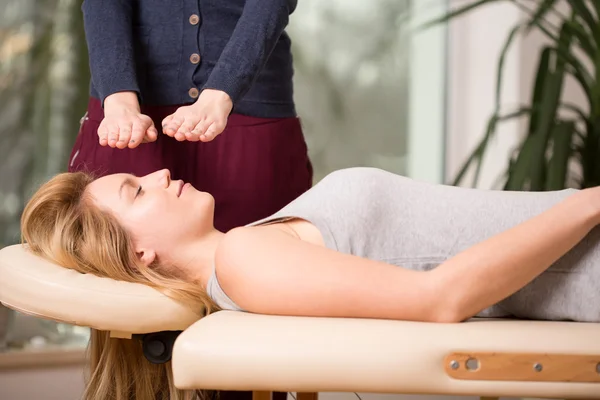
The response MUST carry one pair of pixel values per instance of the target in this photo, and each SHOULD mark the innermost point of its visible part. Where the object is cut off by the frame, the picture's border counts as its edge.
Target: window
(369, 90)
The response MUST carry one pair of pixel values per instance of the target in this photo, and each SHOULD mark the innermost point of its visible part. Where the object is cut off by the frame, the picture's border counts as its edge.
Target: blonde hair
(61, 224)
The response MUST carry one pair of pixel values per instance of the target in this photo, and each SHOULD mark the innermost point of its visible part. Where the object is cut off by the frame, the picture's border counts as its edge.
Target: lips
(180, 188)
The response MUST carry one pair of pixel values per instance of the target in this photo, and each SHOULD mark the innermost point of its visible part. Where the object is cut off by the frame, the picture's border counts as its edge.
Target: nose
(163, 177)
(165, 174)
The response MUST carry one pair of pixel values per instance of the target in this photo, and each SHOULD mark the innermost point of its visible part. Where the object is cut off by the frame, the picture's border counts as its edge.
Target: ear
(146, 256)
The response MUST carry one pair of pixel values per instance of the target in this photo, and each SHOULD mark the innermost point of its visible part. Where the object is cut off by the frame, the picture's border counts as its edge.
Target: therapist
(203, 88)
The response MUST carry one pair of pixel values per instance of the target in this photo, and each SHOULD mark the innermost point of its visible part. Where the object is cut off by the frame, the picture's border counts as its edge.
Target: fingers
(171, 124)
(214, 129)
(113, 134)
(130, 133)
(126, 132)
(199, 129)
(143, 132)
(151, 134)
(197, 122)
(165, 123)
(103, 133)
(207, 130)
(138, 131)
(181, 125)
(186, 127)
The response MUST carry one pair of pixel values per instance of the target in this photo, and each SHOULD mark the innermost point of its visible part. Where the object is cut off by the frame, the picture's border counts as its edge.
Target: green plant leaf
(580, 73)
(541, 23)
(595, 90)
(543, 9)
(499, 68)
(538, 88)
(518, 169)
(581, 10)
(577, 69)
(558, 165)
(587, 86)
(590, 162)
(477, 154)
(577, 110)
(596, 5)
(549, 104)
(529, 168)
(586, 42)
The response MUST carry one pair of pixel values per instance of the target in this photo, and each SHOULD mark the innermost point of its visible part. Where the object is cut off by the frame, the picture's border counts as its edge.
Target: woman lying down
(361, 243)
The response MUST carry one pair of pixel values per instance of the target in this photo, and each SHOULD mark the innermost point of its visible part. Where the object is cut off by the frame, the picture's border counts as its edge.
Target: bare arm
(498, 267)
(268, 271)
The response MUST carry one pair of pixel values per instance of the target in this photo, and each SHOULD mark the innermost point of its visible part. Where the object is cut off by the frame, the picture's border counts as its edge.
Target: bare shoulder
(243, 242)
(256, 247)
(244, 245)
(240, 243)
(246, 257)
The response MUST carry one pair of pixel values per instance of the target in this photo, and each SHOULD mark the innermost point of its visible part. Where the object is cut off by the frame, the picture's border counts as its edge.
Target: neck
(197, 257)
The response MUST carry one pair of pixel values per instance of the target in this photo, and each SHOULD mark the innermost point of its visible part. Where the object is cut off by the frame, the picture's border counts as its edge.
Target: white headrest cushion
(35, 286)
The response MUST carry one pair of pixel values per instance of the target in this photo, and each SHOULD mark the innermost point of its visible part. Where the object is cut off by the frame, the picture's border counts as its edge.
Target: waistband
(158, 113)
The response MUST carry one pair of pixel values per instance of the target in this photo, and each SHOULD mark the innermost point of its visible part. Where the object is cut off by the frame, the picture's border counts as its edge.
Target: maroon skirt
(253, 168)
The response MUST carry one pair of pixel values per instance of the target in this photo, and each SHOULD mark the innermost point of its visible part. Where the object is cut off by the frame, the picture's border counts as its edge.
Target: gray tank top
(382, 216)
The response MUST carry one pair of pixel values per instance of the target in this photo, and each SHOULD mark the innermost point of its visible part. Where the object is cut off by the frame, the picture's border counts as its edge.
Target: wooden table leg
(307, 396)
(262, 395)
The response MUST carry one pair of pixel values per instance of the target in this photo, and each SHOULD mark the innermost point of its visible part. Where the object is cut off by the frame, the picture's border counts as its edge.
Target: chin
(206, 199)
(198, 194)
(204, 205)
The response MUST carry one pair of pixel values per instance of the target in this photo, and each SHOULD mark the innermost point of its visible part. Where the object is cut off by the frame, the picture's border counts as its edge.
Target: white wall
(475, 42)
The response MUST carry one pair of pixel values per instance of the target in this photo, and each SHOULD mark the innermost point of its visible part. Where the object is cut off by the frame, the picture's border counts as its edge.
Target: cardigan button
(193, 93)
(195, 58)
(194, 19)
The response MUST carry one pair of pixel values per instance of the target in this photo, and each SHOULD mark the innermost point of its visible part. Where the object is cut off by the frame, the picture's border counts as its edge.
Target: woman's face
(159, 213)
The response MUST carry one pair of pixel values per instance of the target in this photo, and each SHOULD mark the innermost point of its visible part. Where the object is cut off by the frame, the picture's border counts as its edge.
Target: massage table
(262, 353)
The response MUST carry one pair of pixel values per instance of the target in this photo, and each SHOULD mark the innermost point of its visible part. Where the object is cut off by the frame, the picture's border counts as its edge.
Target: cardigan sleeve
(109, 36)
(261, 24)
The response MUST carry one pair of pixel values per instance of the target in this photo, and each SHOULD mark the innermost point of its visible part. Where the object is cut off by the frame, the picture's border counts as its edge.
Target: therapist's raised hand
(124, 126)
(202, 121)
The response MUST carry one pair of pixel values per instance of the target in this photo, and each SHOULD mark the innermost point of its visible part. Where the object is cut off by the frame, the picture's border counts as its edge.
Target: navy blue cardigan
(168, 50)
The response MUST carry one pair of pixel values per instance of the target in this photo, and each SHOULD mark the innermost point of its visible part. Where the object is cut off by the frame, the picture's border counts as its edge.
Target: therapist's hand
(124, 126)
(202, 121)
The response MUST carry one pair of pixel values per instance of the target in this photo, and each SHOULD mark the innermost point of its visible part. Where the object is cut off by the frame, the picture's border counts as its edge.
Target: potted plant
(561, 138)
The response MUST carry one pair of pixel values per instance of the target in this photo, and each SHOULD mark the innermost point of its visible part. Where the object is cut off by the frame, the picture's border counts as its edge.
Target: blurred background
(371, 90)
